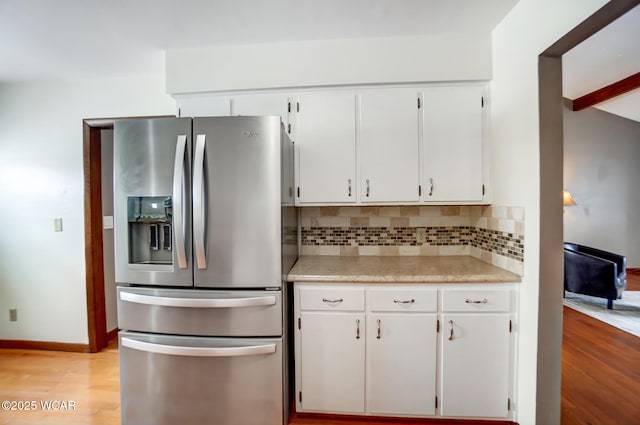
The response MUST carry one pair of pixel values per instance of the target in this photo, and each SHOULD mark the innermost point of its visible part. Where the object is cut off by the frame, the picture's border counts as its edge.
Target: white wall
(530, 28)
(42, 272)
(601, 157)
(450, 57)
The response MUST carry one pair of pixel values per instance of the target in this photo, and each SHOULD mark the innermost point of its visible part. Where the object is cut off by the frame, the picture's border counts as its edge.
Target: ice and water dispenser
(150, 219)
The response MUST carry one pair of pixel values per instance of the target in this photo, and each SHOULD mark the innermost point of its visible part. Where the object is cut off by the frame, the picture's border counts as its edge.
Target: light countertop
(399, 269)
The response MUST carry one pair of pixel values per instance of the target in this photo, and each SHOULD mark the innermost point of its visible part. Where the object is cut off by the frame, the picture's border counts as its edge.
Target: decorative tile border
(490, 233)
(386, 236)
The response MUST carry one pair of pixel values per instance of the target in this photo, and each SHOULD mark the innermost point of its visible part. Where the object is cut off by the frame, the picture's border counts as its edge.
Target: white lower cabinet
(476, 347)
(475, 365)
(422, 350)
(331, 375)
(401, 364)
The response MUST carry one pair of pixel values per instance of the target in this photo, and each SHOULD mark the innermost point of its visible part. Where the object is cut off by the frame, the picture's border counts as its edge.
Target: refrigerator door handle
(171, 350)
(178, 201)
(199, 202)
(198, 302)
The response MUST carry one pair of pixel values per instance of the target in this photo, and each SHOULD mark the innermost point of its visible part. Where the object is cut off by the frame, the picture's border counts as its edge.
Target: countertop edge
(398, 279)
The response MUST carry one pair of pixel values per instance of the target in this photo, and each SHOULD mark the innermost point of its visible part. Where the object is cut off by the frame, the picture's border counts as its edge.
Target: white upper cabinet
(206, 106)
(389, 146)
(325, 136)
(263, 104)
(452, 168)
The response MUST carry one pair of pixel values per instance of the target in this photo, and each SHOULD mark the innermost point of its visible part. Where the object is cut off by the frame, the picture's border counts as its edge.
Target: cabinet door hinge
(482, 101)
(436, 402)
(299, 323)
(438, 326)
(298, 191)
(300, 396)
(289, 107)
(297, 106)
(510, 326)
(482, 190)
(419, 190)
(418, 103)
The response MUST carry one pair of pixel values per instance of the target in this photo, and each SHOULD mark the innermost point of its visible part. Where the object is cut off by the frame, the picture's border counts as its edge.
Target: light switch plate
(107, 222)
(57, 223)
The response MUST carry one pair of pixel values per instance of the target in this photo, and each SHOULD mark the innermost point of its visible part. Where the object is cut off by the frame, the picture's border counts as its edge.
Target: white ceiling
(610, 55)
(93, 38)
(44, 39)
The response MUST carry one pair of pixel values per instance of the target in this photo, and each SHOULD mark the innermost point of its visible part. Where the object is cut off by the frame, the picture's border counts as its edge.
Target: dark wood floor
(600, 370)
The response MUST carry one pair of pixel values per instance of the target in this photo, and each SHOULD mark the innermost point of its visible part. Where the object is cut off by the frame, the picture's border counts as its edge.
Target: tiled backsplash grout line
(491, 233)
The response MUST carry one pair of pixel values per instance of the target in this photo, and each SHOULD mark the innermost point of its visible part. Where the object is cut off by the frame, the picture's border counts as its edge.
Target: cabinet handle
(450, 330)
(482, 301)
(349, 182)
(378, 322)
(367, 194)
(333, 301)
(397, 301)
(357, 328)
(431, 187)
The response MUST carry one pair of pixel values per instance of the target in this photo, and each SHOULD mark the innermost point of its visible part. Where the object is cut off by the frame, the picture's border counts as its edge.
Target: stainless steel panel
(241, 209)
(200, 312)
(168, 380)
(148, 162)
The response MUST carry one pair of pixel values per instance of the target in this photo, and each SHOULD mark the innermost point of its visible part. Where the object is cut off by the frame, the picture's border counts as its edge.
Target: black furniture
(594, 272)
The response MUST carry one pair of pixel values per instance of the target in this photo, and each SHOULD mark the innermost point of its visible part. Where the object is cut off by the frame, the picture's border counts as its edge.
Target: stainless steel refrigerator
(205, 233)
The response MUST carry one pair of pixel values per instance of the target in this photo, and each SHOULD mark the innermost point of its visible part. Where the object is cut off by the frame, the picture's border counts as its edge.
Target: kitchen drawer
(331, 298)
(402, 299)
(476, 300)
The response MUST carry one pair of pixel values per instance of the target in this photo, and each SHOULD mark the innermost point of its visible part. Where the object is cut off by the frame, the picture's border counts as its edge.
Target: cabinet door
(389, 145)
(475, 365)
(326, 145)
(267, 104)
(401, 363)
(452, 165)
(332, 362)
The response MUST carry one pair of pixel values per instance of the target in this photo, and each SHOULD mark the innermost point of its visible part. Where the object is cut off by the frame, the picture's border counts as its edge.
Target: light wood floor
(600, 380)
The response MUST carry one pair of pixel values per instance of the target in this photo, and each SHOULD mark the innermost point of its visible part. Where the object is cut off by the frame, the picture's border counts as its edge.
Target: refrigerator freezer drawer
(200, 312)
(196, 380)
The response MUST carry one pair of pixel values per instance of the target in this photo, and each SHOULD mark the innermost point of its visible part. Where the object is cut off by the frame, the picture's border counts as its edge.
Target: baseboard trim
(112, 334)
(44, 345)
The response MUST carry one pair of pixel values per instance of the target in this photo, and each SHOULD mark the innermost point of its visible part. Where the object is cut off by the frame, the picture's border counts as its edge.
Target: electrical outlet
(421, 235)
(13, 314)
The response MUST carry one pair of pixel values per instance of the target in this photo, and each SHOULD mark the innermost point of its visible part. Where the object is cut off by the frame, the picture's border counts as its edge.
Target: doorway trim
(550, 101)
(94, 255)
(96, 309)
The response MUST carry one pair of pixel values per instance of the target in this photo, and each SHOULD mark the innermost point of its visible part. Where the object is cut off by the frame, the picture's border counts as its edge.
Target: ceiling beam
(609, 92)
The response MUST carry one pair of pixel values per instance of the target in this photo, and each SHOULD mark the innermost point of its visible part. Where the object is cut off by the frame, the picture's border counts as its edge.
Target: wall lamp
(567, 199)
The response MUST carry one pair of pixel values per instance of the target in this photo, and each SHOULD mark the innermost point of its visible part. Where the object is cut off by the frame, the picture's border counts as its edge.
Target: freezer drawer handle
(252, 350)
(178, 201)
(198, 302)
(199, 212)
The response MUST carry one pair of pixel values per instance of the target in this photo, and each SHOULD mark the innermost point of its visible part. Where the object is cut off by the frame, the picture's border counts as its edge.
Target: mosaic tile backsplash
(490, 233)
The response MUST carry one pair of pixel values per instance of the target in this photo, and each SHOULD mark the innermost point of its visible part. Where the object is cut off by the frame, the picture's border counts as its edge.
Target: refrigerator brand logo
(248, 133)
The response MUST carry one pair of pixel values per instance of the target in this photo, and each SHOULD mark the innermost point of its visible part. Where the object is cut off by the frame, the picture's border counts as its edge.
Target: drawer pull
(397, 301)
(482, 301)
(334, 301)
